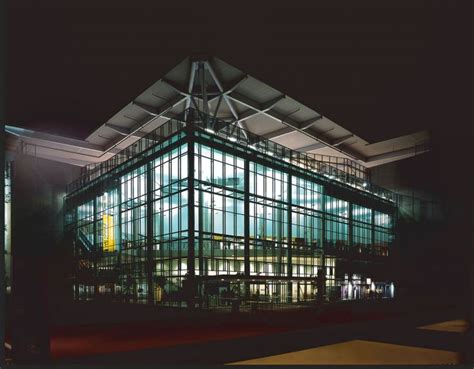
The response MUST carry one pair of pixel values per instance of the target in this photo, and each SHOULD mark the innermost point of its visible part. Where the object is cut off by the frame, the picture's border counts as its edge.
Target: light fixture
(210, 130)
(232, 139)
(364, 184)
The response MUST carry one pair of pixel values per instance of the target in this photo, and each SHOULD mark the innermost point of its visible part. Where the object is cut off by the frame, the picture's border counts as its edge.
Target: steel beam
(250, 113)
(230, 87)
(236, 83)
(175, 87)
(192, 74)
(278, 133)
(221, 89)
(315, 146)
(308, 123)
(217, 107)
(271, 103)
(56, 140)
(203, 88)
(56, 152)
(61, 159)
(235, 96)
(397, 153)
(225, 96)
(340, 140)
(146, 108)
(125, 131)
(139, 125)
(243, 125)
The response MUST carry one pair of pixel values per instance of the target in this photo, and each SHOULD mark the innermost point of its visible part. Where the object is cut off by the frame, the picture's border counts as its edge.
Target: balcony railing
(232, 132)
(355, 176)
(132, 152)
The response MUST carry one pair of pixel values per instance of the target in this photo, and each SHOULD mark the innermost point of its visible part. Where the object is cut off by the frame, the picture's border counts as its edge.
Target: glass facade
(198, 220)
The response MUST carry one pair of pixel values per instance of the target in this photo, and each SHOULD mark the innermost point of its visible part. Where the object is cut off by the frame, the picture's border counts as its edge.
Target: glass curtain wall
(112, 233)
(383, 233)
(337, 223)
(170, 225)
(268, 232)
(133, 237)
(306, 236)
(361, 228)
(133, 212)
(219, 222)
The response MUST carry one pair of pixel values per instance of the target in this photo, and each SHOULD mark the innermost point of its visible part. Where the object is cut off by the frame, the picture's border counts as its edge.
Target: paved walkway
(360, 352)
(364, 352)
(395, 340)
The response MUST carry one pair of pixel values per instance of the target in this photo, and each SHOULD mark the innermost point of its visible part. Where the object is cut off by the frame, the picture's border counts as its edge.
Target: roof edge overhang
(219, 89)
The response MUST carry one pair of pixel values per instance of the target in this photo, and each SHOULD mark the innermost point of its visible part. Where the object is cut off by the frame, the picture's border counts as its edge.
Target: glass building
(202, 213)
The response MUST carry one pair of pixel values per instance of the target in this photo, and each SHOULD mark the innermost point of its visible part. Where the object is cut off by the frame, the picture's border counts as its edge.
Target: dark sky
(378, 68)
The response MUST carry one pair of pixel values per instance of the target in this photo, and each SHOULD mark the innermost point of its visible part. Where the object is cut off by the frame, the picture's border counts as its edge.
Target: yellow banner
(108, 233)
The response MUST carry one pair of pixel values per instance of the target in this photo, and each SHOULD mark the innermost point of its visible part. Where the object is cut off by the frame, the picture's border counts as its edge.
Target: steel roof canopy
(220, 89)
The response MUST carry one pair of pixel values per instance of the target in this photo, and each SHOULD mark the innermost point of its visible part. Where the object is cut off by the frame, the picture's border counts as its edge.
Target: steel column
(373, 232)
(247, 227)
(322, 275)
(96, 247)
(289, 261)
(119, 239)
(149, 234)
(190, 288)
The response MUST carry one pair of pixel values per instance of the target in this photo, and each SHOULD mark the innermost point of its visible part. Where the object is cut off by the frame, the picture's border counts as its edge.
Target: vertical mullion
(247, 227)
(350, 226)
(322, 274)
(96, 248)
(372, 232)
(149, 233)
(119, 231)
(76, 251)
(289, 239)
(191, 233)
(201, 225)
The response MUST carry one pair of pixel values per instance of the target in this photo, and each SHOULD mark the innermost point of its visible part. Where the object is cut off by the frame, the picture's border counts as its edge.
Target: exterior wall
(261, 230)
(414, 204)
(37, 191)
(423, 268)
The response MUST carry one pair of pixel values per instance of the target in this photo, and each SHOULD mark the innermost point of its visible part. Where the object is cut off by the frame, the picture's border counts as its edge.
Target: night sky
(379, 68)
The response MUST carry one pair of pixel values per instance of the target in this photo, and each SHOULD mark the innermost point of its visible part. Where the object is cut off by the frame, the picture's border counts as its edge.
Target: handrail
(231, 132)
(145, 143)
(238, 135)
(85, 241)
